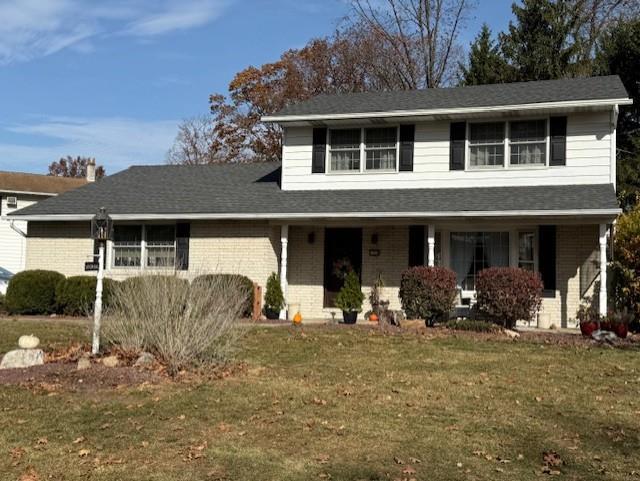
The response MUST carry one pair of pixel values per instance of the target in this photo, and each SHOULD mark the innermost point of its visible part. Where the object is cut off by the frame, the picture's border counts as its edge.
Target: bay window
(344, 150)
(127, 245)
(486, 145)
(472, 252)
(528, 142)
(380, 148)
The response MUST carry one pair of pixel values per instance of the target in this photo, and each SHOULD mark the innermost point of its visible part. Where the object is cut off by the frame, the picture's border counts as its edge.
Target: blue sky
(113, 78)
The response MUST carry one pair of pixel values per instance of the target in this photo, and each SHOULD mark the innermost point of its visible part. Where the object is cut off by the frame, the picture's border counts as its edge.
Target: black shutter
(457, 138)
(183, 232)
(547, 257)
(407, 137)
(558, 134)
(319, 150)
(416, 245)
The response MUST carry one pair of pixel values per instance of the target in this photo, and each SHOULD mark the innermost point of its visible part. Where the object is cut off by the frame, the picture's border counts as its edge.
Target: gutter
(457, 111)
(23, 253)
(331, 215)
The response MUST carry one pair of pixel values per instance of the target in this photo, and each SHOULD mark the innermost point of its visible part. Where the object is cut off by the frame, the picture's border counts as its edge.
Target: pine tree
(486, 64)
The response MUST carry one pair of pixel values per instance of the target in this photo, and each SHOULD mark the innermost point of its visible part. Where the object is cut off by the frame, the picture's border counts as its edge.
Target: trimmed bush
(76, 295)
(273, 296)
(625, 281)
(427, 292)
(244, 282)
(33, 292)
(2, 304)
(508, 294)
(471, 325)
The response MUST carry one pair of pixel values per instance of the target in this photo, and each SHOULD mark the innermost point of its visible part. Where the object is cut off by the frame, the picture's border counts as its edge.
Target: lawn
(341, 404)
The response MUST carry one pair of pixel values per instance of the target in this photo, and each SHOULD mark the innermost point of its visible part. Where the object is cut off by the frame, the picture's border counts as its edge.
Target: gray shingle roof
(241, 189)
(521, 93)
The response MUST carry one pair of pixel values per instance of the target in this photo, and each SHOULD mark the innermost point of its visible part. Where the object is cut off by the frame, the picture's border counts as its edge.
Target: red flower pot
(587, 328)
(606, 326)
(621, 329)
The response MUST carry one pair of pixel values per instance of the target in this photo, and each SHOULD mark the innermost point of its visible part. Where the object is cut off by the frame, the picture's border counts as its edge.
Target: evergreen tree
(486, 64)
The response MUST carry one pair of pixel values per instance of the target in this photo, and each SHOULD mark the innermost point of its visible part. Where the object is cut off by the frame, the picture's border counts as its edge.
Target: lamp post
(101, 229)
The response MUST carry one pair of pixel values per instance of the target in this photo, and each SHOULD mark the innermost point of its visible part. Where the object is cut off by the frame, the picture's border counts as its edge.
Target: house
(18, 190)
(520, 174)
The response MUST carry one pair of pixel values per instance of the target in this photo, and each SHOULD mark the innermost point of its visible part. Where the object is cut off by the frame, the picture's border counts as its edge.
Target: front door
(342, 252)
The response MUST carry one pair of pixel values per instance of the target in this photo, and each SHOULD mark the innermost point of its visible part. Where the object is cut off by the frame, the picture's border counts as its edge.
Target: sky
(112, 79)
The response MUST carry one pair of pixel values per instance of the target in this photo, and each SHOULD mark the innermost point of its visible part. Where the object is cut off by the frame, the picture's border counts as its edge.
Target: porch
(568, 253)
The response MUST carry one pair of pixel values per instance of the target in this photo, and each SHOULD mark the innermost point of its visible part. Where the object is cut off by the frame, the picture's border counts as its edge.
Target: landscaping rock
(84, 363)
(145, 359)
(21, 358)
(511, 334)
(28, 342)
(110, 361)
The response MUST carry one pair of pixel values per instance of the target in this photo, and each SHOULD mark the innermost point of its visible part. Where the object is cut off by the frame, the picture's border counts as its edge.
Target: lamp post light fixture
(101, 230)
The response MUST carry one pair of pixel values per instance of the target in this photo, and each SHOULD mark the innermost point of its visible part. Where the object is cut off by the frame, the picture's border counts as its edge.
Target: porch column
(431, 245)
(284, 243)
(603, 270)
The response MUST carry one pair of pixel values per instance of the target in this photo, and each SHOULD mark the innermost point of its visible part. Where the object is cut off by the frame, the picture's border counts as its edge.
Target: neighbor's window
(528, 142)
(160, 245)
(127, 245)
(380, 148)
(526, 259)
(344, 150)
(486, 145)
(473, 251)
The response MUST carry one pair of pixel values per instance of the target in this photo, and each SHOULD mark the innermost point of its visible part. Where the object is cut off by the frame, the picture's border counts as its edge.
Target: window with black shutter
(558, 134)
(183, 232)
(457, 138)
(319, 152)
(407, 138)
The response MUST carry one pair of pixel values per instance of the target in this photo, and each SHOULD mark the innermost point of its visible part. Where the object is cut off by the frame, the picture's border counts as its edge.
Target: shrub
(625, 285)
(33, 292)
(245, 282)
(273, 296)
(471, 325)
(427, 292)
(350, 297)
(508, 294)
(588, 311)
(76, 295)
(2, 304)
(181, 324)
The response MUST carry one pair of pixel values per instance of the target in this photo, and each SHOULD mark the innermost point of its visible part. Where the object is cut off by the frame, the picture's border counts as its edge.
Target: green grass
(345, 404)
(52, 332)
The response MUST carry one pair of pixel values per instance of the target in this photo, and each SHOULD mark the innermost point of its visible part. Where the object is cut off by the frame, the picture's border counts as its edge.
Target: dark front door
(342, 251)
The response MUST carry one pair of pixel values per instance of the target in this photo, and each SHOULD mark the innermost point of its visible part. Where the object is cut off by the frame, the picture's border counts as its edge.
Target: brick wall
(59, 246)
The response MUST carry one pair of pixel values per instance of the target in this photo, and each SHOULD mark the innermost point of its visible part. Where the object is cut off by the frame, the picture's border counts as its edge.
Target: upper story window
(528, 142)
(380, 148)
(486, 145)
(344, 150)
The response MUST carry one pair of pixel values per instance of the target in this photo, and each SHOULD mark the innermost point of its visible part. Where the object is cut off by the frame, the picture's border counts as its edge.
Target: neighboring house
(516, 174)
(19, 190)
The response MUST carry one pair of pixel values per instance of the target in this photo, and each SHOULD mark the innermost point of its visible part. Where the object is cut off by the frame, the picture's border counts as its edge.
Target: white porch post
(431, 245)
(284, 243)
(603, 270)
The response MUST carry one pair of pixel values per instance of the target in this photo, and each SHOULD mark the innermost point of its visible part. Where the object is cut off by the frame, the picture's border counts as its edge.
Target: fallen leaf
(408, 470)
(83, 453)
(397, 460)
(79, 440)
(322, 458)
(29, 475)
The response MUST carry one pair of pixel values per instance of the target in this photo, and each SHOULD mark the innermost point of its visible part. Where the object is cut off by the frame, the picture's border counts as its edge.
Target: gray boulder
(21, 358)
(145, 359)
(84, 363)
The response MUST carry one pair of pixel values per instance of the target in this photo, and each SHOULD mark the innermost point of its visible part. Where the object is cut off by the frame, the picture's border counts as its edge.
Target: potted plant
(619, 322)
(350, 298)
(379, 307)
(273, 297)
(588, 318)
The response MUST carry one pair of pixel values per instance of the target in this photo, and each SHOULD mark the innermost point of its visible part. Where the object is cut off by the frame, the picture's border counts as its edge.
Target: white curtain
(496, 248)
(463, 245)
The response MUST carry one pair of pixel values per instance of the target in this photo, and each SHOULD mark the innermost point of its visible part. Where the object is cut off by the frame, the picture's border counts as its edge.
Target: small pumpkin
(373, 317)
(297, 319)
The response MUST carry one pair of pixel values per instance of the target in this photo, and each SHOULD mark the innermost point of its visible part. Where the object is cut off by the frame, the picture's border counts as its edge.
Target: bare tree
(421, 36)
(195, 143)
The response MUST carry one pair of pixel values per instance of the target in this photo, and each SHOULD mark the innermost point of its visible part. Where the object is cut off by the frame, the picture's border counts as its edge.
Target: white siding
(12, 244)
(588, 161)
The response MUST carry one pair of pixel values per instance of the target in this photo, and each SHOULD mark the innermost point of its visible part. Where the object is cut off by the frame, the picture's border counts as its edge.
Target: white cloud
(115, 142)
(36, 28)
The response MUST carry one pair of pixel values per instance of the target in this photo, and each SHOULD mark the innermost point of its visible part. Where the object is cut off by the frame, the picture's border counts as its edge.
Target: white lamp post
(101, 229)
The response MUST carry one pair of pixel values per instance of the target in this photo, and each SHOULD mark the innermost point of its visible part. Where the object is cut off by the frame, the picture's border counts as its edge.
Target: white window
(486, 145)
(344, 150)
(528, 142)
(526, 245)
(160, 245)
(127, 245)
(380, 148)
(473, 251)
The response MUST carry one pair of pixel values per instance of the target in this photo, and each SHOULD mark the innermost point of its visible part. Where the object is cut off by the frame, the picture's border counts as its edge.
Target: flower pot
(271, 314)
(349, 317)
(587, 328)
(620, 329)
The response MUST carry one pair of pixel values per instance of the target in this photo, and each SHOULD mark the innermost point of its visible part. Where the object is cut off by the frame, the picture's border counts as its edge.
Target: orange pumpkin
(373, 317)
(297, 319)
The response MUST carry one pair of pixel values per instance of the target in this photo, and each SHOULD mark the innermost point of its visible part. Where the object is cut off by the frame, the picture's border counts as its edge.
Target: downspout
(23, 234)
